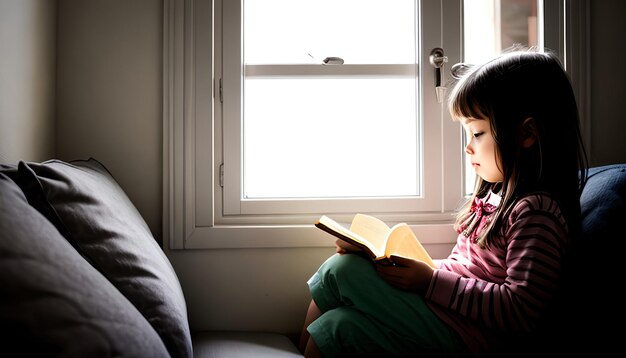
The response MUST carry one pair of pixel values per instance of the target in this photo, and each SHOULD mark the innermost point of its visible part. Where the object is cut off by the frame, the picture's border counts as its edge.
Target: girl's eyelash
(476, 135)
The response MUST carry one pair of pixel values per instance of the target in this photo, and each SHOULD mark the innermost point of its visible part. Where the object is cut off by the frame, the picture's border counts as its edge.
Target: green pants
(362, 315)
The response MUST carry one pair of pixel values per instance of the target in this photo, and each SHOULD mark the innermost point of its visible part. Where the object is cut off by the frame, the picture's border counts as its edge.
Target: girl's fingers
(345, 247)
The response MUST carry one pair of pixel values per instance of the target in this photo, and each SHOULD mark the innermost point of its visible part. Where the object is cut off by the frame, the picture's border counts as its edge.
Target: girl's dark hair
(517, 85)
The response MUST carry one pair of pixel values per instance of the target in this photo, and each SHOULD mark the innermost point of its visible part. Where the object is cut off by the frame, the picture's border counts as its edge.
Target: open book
(377, 239)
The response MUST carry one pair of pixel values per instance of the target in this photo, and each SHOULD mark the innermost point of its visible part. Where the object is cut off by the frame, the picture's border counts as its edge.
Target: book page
(403, 242)
(373, 229)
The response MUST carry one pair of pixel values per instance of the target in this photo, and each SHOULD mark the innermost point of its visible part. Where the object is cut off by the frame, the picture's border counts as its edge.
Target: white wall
(109, 93)
(108, 106)
(27, 60)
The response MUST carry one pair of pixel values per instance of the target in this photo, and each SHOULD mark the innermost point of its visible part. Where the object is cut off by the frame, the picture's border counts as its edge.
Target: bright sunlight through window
(315, 130)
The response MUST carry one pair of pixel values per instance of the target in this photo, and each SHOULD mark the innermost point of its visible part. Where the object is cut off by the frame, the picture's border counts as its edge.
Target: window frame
(192, 137)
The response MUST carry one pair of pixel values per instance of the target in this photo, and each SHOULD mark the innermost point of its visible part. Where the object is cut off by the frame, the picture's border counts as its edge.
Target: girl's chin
(490, 180)
(494, 181)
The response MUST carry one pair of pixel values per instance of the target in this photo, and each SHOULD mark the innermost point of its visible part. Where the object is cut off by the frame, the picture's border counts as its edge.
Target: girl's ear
(528, 132)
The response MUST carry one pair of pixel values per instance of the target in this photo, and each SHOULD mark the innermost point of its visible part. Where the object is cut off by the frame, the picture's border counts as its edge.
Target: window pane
(307, 31)
(491, 26)
(330, 137)
(361, 127)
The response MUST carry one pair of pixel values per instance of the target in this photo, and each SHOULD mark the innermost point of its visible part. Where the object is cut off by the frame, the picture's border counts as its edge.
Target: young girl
(504, 273)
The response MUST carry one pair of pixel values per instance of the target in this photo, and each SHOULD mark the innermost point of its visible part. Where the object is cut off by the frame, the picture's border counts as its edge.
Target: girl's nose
(468, 149)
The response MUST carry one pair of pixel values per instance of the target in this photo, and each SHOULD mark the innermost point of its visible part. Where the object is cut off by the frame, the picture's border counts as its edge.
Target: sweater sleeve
(507, 285)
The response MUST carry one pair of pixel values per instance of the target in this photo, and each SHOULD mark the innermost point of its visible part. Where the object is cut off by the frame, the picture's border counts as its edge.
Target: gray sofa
(81, 274)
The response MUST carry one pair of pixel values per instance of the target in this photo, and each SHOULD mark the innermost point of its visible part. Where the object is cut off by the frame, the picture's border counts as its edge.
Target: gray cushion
(595, 275)
(603, 208)
(52, 302)
(92, 211)
(603, 202)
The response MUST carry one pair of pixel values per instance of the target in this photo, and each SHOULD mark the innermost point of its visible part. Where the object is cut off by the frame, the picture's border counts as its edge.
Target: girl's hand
(407, 274)
(343, 247)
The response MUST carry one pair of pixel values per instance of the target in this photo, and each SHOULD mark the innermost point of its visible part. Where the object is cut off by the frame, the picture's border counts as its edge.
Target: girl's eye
(478, 134)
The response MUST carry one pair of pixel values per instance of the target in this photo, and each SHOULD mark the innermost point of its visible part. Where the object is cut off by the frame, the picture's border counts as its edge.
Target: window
(362, 134)
(229, 181)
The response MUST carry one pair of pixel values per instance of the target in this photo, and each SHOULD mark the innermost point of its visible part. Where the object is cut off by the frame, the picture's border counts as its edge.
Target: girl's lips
(475, 164)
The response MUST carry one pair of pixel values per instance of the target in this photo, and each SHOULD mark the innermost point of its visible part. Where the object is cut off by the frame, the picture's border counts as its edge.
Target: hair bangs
(465, 102)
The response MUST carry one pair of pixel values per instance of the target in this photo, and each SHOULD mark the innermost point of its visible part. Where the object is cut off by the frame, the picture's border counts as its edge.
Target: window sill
(223, 237)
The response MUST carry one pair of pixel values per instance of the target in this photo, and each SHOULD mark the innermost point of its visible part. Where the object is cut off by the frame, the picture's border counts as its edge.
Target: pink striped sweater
(506, 287)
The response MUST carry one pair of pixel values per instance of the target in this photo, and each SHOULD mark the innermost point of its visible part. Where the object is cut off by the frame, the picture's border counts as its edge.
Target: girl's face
(481, 149)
